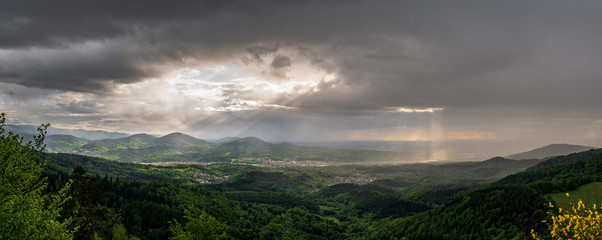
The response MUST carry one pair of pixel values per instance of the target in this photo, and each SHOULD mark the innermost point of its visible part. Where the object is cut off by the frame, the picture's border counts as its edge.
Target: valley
(306, 192)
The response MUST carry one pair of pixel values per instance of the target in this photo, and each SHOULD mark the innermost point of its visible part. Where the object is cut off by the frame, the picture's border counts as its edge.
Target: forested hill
(561, 173)
(505, 212)
(29, 130)
(551, 150)
(64, 143)
(179, 147)
(282, 202)
(506, 209)
(376, 210)
(100, 198)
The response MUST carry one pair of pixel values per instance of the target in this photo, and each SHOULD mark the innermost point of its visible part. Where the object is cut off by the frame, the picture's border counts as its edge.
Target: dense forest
(67, 196)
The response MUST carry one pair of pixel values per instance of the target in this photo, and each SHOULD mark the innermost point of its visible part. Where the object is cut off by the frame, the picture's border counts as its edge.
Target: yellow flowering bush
(578, 223)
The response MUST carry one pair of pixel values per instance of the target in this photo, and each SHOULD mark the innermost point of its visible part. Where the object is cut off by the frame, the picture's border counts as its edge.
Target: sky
(308, 70)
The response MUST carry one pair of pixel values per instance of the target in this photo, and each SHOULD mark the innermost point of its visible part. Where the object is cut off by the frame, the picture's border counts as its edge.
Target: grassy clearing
(589, 193)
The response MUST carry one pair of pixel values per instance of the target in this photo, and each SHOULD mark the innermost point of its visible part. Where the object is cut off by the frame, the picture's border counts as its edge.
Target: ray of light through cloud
(310, 70)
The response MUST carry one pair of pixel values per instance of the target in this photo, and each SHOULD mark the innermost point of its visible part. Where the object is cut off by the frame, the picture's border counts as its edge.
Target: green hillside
(403, 201)
(146, 148)
(346, 204)
(550, 151)
(563, 173)
(64, 143)
(179, 140)
(590, 194)
(506, 209)
(508, 212)
(134, 141)
(64, 163)
(183, 148)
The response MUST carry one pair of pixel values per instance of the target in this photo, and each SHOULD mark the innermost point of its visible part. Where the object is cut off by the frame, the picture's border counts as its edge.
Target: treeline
(146, 208)
(506, 209)
(508, 212)
(563, 173)
(260, 205)
(85, 198)
(281, 199)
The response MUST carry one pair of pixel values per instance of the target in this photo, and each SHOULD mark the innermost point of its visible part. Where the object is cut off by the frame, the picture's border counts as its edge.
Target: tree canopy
(25, 212)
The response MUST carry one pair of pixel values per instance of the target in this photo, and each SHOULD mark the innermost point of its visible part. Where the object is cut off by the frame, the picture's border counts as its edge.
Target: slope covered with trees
(562, 173)
(507, 209)
(64, 196)
(551, 150)
(178, 147)
(25, 211)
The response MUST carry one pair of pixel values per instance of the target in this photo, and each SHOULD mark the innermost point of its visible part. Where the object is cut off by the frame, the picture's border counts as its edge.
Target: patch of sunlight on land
(330, 217)
(589, 193)
(334, 219)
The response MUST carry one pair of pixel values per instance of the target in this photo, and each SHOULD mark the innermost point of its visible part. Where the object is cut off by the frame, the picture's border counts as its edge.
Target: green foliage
(590, 194)
(580, 222)
(134, 141)
(297, 223)
(25, 212)
(437, 196)
(560, 174)
(181, 147)
(256, 202)
(387, 206)
(90, 219)
(96, 166)
(199, 227)
(280, 199)
(64, 143)
(119, 233)
(262, 181)
(493, 213)
(113, 200)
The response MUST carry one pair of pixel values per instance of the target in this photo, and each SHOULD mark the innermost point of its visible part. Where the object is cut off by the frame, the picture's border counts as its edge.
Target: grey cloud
(281, 61)
(191, 30)
(316, 60)
(311, 55)
(18, 92)
(85, 107)
(459, 55)
(92, 67)
(257, 52)
(280, 66)
(57, 24)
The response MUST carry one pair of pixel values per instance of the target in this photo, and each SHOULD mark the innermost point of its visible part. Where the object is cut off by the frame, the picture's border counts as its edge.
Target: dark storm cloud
(281, 61)
(258, 52)
(316, 60)
(386, 54)
(135, 40)
(280, 66)
(475, 56)
(87, 67)
(20, 93)
(57, 24)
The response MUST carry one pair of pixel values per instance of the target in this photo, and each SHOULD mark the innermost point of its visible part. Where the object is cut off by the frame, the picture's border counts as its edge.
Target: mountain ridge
(29, 130)
(550, 150)
(178, 146)
(178, 138)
